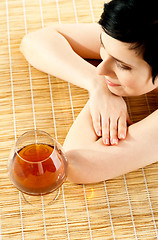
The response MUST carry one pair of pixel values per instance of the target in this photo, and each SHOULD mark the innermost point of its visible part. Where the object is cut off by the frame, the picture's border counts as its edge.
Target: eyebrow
(112, 56)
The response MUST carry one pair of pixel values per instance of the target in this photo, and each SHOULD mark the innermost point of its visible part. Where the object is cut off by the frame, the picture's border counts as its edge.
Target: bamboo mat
(122, 208)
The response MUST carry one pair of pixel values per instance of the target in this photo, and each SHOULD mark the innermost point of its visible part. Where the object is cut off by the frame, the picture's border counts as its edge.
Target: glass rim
(37, 130)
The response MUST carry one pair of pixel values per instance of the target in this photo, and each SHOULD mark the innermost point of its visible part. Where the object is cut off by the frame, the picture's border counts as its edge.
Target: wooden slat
(121, 208)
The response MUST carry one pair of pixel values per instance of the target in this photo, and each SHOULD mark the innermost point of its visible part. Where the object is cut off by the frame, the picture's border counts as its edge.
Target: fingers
(97, 124)
(109, 132)
(122, 127)
(106, 131)
(113, 130)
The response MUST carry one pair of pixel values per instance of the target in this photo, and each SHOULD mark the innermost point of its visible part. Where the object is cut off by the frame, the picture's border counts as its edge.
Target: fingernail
(106, 141)
(99, 132)
(122, 136)
(114, 141)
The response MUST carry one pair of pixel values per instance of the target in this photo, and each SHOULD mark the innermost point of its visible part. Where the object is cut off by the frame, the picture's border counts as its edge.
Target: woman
(101, 143)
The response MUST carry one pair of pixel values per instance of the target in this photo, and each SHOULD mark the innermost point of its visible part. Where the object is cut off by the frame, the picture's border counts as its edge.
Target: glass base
(46, 200)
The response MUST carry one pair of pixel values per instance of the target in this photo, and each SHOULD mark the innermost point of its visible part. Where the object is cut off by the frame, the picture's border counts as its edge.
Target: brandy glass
(37, 166)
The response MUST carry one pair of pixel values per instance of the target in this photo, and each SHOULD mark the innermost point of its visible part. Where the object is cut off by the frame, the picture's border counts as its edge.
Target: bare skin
(90, 161)
(66, 46)
(99, 145)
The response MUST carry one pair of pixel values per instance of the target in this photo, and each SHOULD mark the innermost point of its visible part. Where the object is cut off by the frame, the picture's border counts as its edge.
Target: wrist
(98, 84)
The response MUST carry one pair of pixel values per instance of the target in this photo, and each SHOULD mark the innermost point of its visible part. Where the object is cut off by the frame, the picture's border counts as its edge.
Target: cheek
(136, 85)
(127, 79)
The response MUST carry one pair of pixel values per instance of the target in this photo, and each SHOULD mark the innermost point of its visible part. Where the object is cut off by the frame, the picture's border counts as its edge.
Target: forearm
(90, 161)
(50, 52)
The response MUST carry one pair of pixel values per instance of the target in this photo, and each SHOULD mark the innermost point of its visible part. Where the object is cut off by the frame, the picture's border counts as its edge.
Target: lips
(111, 83)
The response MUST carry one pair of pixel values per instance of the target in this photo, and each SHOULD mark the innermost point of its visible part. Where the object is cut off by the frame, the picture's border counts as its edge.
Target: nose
(106, 68)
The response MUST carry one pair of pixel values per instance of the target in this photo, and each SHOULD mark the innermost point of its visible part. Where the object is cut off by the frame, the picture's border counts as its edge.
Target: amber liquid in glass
(38, 169)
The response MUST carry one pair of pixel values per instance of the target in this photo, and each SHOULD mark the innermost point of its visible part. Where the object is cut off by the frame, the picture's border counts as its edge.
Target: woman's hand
(109, 115)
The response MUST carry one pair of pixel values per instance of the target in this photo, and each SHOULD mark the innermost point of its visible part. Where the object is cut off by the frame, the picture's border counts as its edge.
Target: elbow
(82, 169)
(25, 46)
(75, 172)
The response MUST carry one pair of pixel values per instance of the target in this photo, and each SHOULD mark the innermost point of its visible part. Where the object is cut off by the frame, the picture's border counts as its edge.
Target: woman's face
(126, 73)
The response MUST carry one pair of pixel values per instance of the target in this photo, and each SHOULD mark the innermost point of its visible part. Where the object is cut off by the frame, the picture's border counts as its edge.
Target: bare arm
(90, 161)
(59, 51)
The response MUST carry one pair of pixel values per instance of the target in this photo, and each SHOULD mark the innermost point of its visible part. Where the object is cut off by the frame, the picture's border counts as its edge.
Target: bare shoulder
(83, 37)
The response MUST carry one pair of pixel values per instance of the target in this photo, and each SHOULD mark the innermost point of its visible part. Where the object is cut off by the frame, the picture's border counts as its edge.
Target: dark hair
(135, 22)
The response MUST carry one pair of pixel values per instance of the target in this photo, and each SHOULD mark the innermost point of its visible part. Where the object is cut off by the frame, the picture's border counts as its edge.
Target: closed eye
(122, 66)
